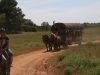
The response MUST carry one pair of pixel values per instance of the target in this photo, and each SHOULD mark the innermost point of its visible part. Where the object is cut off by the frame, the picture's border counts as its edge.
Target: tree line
(12, 18)
(86, 24)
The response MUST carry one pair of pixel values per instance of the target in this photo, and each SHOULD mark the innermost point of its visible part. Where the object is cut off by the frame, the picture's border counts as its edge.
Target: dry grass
(30, 41)
(91, 34)
(26, 42)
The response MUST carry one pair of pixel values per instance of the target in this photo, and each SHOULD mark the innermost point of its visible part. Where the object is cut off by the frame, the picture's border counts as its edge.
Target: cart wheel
(79, 42)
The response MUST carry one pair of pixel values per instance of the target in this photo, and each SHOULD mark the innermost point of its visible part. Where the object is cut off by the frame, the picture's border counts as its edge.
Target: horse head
(45, 38)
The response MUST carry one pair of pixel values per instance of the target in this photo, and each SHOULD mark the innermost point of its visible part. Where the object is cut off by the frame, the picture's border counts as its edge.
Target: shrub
(61, 57)
(58, 66)
(68, 61)
(81, 60)
(94, 71)
(95, 62)
(67, 71)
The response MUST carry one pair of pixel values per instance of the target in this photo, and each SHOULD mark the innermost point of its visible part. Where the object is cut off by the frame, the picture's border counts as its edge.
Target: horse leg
(4, 63)
(58, 46)
(55, 47)
(46, 46)
(50, 47)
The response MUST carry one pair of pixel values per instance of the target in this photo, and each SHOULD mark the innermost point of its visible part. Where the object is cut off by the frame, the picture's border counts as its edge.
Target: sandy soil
(34, 63)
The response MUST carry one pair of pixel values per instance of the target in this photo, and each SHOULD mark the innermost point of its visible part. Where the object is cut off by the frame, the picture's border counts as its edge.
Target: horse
(56, 40)
(4, 61)
(8, 61)
(47, 41)
(1, 66)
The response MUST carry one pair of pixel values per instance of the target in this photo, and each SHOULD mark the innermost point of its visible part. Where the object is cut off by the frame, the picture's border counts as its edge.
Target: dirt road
(33, 63)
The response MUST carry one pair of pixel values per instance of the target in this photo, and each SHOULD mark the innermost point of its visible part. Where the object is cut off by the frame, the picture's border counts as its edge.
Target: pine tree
(2, 20)
(14, 15)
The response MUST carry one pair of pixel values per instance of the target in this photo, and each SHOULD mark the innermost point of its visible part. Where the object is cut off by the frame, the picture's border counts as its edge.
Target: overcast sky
(67, 11)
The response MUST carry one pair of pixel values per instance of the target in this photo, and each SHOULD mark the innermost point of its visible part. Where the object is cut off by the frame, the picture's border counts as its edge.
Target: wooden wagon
(69, 32)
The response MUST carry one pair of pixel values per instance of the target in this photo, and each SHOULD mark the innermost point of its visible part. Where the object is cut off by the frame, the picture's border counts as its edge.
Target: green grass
(91, 33)
(82, 60)
(30, 41)
(26, 42)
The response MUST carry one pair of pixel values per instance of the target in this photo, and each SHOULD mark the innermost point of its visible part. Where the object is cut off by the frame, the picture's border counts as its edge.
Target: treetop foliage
(13, 15)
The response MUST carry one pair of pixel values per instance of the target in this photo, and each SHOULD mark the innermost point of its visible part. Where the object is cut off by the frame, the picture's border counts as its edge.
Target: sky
(66, 11)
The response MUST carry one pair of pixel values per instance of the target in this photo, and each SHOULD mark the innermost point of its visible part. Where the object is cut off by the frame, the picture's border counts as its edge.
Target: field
(92, 33)
(26, 42)
(30, 41)
(82, 60)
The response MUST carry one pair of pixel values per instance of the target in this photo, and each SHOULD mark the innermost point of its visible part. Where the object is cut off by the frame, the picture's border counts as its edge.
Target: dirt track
(33, 63)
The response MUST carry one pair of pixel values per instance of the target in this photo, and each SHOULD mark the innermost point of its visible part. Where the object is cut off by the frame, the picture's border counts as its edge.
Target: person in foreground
(5, 46)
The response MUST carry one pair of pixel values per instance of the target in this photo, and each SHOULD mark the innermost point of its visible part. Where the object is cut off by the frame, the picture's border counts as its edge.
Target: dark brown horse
(1, 66)
(8, 61)
(47, 41)
(55, 40)
(4, 61)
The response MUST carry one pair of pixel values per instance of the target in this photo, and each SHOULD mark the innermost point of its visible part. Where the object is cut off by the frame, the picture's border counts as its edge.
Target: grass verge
(26, 42)
(82, 60)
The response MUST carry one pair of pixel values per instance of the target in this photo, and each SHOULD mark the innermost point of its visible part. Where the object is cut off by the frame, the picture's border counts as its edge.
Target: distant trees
(44, 27)
(13, 15)
(12, 19)
(91, 24)
(29, 26)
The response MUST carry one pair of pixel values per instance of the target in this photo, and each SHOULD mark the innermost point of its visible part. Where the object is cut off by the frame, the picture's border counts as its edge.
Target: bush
(61, 57)
(83, 60)
(68, 61)
(58, 66)
(28, 28)
(67, 71)
(77, 63)
(94, 71)
(95, 62)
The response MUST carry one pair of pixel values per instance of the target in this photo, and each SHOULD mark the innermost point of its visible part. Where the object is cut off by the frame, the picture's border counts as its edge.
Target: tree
(14, 15)
(29, 26)
(29, 22)
(2, 20)
(45, 26)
